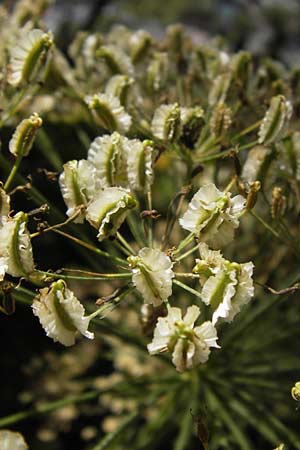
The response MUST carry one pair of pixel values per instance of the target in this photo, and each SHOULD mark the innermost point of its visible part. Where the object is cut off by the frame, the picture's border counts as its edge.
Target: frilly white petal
(61, 314)
(108, 211)
(152, 275)
(11, 440)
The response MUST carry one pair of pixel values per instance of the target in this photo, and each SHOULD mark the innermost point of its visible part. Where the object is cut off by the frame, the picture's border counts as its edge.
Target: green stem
(110, 437)
(101, 277)
(93, 248)
(188, 288)
(189, 238)
(111, 304)
(13, 171)
(125, 243)
(150, 221)
(189, 252)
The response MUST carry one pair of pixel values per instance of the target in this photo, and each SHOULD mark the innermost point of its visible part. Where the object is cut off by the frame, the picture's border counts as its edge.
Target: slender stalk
(187, 288)
(189, 252)
(150, 221)
(189, 238)
(102, 277)
(13, 172)
(187, 275)
(134, 230)
(125, 243)
(56, 226)
(111, 304)
(107, 440)
(93, 248)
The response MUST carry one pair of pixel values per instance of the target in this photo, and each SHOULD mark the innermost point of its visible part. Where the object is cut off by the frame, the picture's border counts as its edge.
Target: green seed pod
(241, 67)
(219, 89)
(116, 59)
(278, 203)
(257, 162)
(192, 121)
(15, 247)
(157, 72)
(295, 391)
(220, 120)
(24, 135)
(109, 210)
(275, 119)
(28, 57)
(166, 122)
(118, 86)
(109, 112)
(140, 43)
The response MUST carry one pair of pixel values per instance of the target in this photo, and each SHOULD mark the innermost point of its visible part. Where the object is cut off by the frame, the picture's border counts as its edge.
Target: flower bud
(252, 195)
(278, 202)
(24, 135)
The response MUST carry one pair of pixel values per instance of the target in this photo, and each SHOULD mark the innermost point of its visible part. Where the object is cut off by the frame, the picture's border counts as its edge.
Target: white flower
(15, 247)
(78, 185)
(61, 314)
(139, 163)
(188, 344)
(108, 211)
(109, 112)
(213, 215)
(28, 56)
(152, 275)
(105, 153)
(227, 286)
(11, 440)
(166, 122)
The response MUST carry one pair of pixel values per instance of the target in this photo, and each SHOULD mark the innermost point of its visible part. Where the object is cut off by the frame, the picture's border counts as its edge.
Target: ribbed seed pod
(106, 155)
(78, 185)
(275, 119)
(116, 59)
(140, 43)
(109, 210)
(109, 112)
(221, 120)
(166, 122)
(157, 72)
(219, 89)
(140, 158)
(15, 247)
(118, 86)
(24, 135)
(28, 56)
